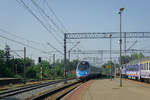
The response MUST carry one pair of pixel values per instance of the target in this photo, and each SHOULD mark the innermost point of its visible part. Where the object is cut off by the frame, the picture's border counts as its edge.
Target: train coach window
(84, 63)
(145, 66)
(149, 65)
(83, 66)
(141, 66)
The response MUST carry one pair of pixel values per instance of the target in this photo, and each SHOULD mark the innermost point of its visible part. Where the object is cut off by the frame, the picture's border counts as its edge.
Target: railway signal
(40, 59)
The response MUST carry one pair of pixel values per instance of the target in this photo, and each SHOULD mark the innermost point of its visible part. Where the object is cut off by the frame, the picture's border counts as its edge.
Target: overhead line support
(65, 59)
(106, 35)
(24, 71)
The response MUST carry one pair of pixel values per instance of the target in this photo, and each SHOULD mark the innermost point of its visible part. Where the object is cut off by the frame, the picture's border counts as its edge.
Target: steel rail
(52, 92)
(26, 88)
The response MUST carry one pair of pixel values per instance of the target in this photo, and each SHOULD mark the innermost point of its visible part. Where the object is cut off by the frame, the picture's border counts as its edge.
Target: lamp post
(120, 12)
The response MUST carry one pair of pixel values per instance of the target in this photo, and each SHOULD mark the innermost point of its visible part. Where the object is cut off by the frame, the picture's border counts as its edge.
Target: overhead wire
(12, 34)
(55, 48)
(74, 46)
(18, 42)
(58, 20)
(61, 24)
(17, 54)
(29, 41)
(145, 45)
(41, 22)
(19, 37)
(46, 20)
(37, 6)
(33, 1)
(51, 10)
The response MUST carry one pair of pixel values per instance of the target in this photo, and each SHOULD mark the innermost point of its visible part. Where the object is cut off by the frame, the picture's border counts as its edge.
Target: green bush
(30, 72)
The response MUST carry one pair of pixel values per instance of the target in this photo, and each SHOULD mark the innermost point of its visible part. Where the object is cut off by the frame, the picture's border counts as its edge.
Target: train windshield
(83, 66)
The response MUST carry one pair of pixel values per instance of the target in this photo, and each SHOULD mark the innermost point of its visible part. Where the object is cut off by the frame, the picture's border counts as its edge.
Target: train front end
(83, 70)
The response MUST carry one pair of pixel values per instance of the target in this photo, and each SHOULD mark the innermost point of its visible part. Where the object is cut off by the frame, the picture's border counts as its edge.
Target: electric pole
(54, 66)
(110, 59)
(24, 71)
(65, 59)
(120, 12)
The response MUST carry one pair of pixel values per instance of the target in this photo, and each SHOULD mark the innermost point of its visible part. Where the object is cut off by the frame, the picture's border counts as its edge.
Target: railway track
(57, 93)
(27, 91)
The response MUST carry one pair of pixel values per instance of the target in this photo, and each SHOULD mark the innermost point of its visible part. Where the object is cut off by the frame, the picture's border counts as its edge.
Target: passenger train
(138, 70)
(85, 71)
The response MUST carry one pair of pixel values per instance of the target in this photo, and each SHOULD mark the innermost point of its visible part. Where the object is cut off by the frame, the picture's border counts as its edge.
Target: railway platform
(106, 89)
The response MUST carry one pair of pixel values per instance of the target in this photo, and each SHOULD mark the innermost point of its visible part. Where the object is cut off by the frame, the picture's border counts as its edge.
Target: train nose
(82, 73)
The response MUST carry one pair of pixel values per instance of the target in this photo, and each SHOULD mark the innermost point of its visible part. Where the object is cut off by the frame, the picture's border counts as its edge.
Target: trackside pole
(65, 81)
(120, 12)
(24, 71)
(40, 68)
(41, 71)
(54, 67)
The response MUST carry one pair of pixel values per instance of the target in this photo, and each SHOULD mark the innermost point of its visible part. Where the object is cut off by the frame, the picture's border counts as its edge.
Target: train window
(145, 67)
(83, 66)
(132, 68)
(141, 66)
(149, 65)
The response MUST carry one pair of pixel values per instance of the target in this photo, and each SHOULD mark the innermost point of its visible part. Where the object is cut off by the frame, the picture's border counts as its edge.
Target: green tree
(29, 62)
(137, 56)
(46, 69)
(31, 73)
(5, 70)
(127, 59)
(7, 53)
(18, 65)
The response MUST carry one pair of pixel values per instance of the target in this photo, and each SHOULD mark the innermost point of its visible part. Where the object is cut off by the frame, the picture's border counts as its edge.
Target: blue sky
(77, 16)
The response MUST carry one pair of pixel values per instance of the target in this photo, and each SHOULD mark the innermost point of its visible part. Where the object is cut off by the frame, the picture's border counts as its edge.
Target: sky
(76, 16)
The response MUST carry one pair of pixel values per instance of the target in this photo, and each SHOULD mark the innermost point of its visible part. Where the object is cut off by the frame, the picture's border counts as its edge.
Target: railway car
(139, 70)
(132, 70)
(83, 70)
(145, 70)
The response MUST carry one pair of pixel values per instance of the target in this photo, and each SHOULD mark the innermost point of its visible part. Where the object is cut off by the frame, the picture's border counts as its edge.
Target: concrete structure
(110, 90)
